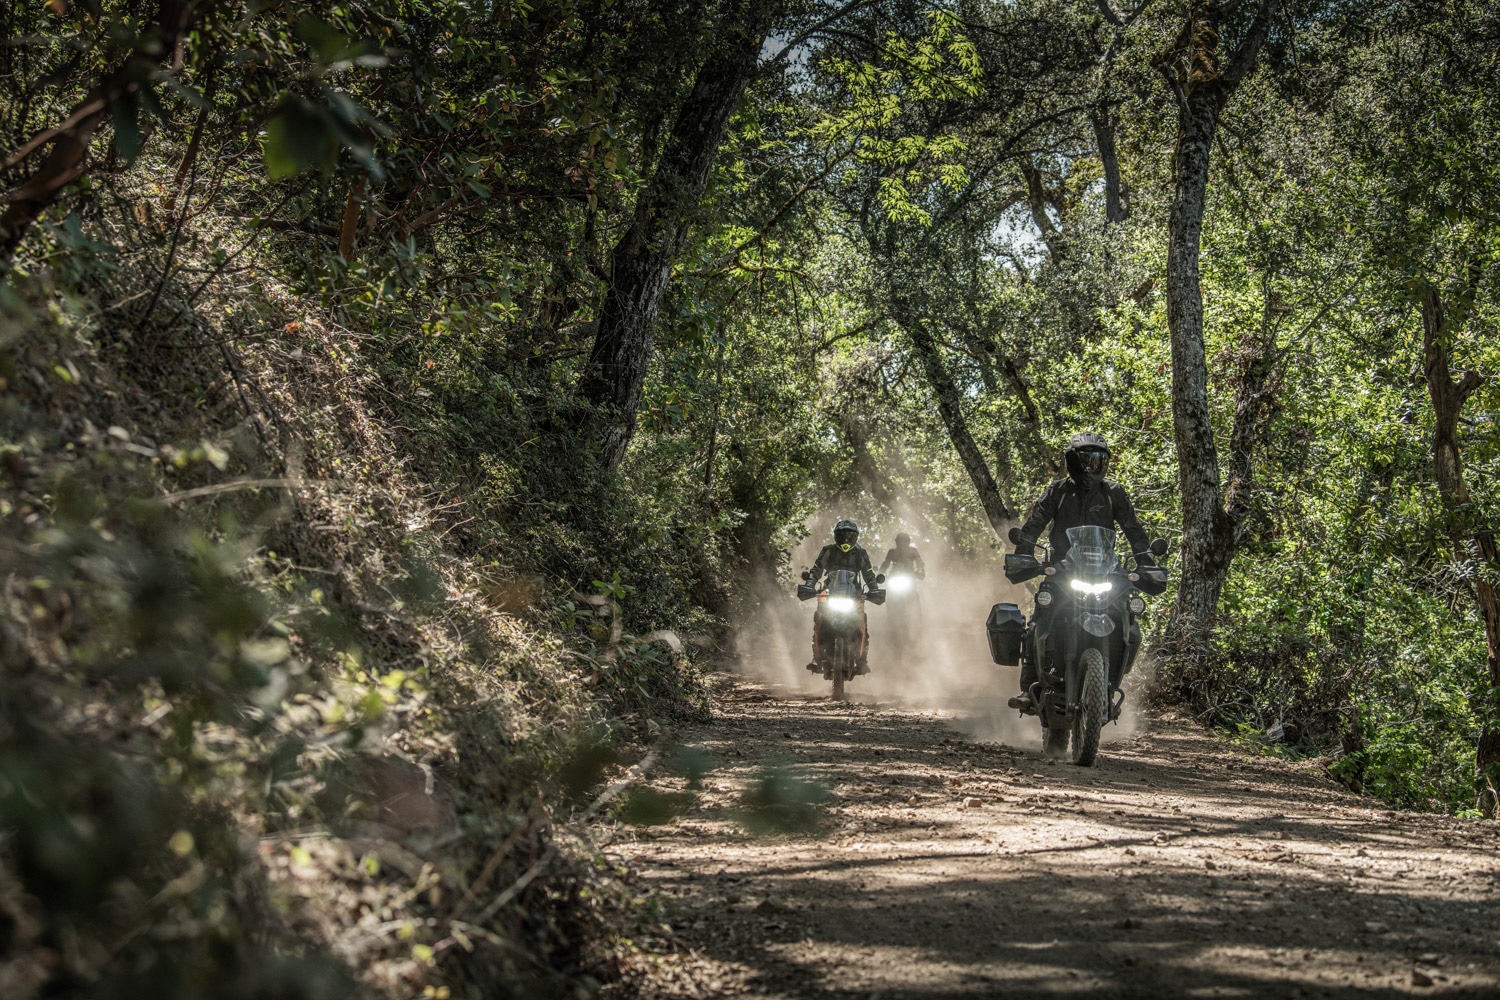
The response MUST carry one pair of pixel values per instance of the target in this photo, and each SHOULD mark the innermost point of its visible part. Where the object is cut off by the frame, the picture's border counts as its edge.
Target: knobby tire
(1093, 707)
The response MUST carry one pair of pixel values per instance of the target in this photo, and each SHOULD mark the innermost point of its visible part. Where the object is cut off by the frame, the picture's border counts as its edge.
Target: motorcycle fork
(818, 631)
(1073, 675)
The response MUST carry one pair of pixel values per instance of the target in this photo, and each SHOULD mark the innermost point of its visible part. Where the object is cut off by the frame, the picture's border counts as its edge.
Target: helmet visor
(845, 536)
(1092, 460)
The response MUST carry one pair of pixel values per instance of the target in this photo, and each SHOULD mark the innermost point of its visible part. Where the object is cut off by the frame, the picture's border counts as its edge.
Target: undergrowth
(301, 678)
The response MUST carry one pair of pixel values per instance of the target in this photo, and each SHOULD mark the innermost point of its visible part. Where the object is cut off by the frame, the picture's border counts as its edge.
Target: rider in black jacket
(905, 558)
(843, 554)
(1085, 497)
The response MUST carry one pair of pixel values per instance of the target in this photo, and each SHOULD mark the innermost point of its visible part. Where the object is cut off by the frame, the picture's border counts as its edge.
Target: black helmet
(845, 533)
(902, 540)
(1088, 459)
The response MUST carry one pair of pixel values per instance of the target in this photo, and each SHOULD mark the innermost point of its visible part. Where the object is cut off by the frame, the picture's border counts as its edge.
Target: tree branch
(1249, 47)
(802, 39)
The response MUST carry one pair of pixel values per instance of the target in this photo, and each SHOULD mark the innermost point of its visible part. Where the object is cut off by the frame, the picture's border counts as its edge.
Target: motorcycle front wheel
(1093, 707)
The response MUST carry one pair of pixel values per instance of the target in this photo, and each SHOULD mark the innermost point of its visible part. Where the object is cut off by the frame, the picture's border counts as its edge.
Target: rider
(1085, 497)
(905, 558)
(843, 554)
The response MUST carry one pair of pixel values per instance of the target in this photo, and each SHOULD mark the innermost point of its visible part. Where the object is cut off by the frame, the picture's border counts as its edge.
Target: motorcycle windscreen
(1091, 550)
(843, 583)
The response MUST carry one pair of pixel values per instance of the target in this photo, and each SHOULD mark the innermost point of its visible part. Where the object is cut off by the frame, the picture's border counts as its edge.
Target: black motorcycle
(843, 638)
(903, 615)
(1090, 640)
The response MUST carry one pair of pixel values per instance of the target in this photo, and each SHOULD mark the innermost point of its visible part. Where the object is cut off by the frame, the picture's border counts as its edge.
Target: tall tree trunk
(641, 268)
(1209, 530)
(1036, 200)
(1103, 121)
(1102, 117)
(1448, 397)
(70, 138)
(1042, 456)
(950, 408)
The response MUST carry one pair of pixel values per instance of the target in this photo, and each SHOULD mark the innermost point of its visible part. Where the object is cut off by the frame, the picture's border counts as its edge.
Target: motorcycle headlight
(1043, 598)
(1092, 589)
(898, 584)
(1137, 606)
(841, 604)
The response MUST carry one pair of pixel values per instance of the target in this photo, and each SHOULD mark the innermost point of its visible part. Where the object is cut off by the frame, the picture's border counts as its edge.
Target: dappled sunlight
(946, 867)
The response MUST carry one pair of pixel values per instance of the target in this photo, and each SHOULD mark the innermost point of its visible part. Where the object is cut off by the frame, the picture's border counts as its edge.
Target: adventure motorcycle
(842, 636)
(1090, 641)
(903, 611)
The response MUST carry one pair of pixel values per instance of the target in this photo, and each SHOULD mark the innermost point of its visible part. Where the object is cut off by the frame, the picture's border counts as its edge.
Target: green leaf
(297, 137)
(125, 113)
(326, 42)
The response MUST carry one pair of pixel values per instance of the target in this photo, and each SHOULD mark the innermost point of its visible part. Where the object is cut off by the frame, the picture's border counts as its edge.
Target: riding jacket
(1068, 505)
(832, 558)
(908, 559)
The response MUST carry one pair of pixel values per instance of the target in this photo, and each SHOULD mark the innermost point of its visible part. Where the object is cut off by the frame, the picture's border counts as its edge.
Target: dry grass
(391, 767)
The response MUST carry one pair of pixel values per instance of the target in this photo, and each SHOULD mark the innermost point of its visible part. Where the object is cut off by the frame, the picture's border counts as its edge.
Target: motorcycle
(842, 636)
(1090, 642)
(903, 612)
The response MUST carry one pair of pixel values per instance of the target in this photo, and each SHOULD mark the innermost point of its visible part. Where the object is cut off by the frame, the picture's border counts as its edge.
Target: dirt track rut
(947, 868)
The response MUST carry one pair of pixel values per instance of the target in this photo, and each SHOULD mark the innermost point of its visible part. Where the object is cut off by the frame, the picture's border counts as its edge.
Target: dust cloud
(928, 650)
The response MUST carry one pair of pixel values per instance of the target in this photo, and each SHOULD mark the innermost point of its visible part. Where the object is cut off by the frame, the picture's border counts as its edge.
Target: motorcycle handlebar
(1149, 579)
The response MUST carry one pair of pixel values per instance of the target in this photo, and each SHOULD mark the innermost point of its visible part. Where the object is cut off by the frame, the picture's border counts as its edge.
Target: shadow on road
(1177, 867)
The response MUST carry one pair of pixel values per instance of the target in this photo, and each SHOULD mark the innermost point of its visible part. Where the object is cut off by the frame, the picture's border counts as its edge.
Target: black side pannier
(1005, 626)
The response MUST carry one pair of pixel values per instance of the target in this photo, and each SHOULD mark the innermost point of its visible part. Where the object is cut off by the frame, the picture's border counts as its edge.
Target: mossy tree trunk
(1475, 541)
(640, 273)
(1212, 511)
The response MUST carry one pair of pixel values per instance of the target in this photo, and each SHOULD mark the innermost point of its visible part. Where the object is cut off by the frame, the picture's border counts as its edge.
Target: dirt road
(942, 867)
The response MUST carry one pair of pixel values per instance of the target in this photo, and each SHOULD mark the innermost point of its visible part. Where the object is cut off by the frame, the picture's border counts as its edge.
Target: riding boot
(1023, 700)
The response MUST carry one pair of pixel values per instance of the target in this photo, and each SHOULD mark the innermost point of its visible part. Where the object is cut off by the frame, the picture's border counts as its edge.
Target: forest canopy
(318, 317)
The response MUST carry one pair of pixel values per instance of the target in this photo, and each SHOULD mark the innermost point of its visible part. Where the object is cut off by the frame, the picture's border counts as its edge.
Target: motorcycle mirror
(1015, 536)
(1159, 547)
(807, 574)
(880, 578)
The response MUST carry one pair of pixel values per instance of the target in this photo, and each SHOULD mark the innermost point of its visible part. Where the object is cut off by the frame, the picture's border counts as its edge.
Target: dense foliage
(382, 381)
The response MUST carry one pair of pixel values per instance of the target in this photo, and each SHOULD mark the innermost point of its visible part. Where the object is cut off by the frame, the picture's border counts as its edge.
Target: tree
(1213, 511)
(641, 263)
(134, 66)
(1432, 223)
